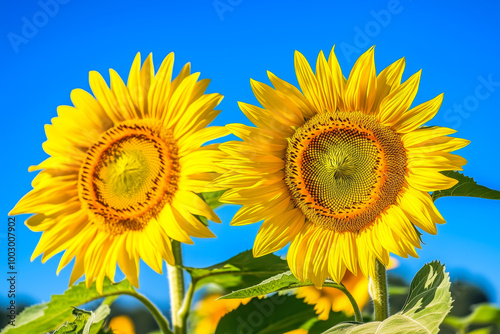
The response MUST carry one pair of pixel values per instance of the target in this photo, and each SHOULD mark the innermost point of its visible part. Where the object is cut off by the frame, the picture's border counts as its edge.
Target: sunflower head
(331, 299)
(121, 325)
(342, 168)
(124, 171)
(209, 310)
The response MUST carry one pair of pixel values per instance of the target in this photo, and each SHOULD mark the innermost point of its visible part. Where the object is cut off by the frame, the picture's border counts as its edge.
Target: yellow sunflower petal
(395, 105)
(123, 99)
(160, 86)
(253, 214)
(387, 81)
(134, 86)
(418, 115)
(361, 85)
(416, 207)
(357, 166)
(336, 264)
(439, 144)
(118, 185)
(105, 96)
(262, 118)
(326, 83)
(196, 205)
(308, 82)
(293, 94)
(427, 179)
(423, 134)
(276, 232)
(276, 102)
(337, 78)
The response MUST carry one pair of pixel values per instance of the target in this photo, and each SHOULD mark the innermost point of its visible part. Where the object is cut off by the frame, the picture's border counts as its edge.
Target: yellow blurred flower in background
(121, 325)
(208, 312)
(331, 299)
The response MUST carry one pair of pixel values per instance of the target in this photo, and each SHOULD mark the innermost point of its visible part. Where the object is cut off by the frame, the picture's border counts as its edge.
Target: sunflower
(326, 299)
(124, 169)
(331, 299)
(209, 310)
(342, 171)
(121, 325)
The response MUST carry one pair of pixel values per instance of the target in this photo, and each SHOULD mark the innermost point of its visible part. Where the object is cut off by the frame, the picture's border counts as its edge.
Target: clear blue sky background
(231, 41)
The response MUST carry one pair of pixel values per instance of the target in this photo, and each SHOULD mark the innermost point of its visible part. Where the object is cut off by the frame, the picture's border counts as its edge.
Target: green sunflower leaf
(46, 317)
(485, 330)
(80, 325)
(466, 186)
(276, 314)
(428, 303)
(319, 326)
(280, 282)
(239, 271)
(84, 321)
(482, 314)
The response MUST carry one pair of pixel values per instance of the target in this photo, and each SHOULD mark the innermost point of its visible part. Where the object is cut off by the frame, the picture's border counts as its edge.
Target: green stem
(357, 312)
(186, 305)
(160, 319)
(378, 291)
(176, 283)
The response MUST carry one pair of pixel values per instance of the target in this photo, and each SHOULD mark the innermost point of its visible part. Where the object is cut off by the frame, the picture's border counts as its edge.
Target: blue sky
(49, 47)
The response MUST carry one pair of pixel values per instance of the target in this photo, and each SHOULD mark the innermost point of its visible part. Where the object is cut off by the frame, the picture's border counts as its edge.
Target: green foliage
(279, 282)
(276, 314)
(319, 326)
(212, 198)
(84, 321)
(466, 186)
(47, 317)
(483, 314)
(239, 271)
(485, 330)
(81, 324)
(429, 301)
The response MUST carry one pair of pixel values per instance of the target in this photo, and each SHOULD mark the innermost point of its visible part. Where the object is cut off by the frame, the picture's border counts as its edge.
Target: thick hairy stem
(176, 282)
(378, 292)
